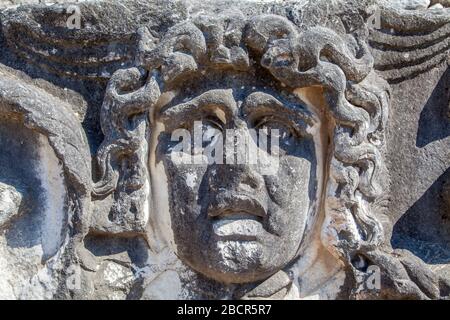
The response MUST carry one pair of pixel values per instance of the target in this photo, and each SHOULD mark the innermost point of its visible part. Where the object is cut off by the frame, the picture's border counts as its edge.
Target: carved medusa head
(230, 221)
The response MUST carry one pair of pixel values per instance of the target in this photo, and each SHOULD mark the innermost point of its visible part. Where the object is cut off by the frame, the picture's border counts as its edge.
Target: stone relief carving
(139, 224)
(57, 149)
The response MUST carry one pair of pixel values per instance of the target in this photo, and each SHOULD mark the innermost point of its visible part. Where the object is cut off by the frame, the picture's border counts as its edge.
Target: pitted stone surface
(257, 149)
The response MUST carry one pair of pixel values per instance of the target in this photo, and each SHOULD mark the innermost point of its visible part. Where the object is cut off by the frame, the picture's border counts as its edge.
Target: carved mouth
(236, 205)
(237, 217)
(238, 226)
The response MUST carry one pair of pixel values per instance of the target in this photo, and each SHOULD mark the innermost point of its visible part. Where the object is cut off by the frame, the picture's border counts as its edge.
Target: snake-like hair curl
(341, 64)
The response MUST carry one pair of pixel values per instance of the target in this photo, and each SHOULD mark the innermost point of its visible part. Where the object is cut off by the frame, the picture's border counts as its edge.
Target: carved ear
(401, 51)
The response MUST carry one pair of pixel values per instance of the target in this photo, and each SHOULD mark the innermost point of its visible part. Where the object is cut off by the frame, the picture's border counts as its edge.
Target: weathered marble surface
(94, 206)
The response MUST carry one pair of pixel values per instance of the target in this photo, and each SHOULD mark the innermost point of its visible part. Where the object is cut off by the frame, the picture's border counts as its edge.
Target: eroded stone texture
(352, 204)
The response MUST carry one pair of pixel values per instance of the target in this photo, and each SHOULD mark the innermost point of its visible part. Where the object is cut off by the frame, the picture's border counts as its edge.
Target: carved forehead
(209, 102)
(228, 103)
(261, 102)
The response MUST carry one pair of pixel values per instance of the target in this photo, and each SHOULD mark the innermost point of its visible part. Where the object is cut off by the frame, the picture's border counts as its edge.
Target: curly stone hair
(340, 64)
(358, 102)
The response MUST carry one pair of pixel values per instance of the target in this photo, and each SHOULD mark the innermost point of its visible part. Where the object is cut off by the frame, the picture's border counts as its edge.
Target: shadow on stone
(425, 228)
(434, 123)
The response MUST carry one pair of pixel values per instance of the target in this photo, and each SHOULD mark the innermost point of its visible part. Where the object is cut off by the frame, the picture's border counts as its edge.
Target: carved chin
(236, 262)
(238, 249)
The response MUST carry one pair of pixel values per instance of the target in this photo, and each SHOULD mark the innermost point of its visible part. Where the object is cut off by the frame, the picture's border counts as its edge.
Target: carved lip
(237, 217)
(238, 226)
(237, 205)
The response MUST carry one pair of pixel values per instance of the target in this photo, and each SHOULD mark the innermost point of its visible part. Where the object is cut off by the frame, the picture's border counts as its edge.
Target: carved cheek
(292, 181)
(296, 174)
(184, 181)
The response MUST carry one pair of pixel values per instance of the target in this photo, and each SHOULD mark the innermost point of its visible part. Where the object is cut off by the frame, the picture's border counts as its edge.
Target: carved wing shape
(410, 42)
(106, 41)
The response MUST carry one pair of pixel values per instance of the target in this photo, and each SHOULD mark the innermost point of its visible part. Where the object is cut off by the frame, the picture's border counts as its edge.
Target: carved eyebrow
(260, 104)
(211, 102)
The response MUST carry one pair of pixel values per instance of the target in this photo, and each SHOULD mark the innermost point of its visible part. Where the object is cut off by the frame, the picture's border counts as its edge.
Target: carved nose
(249, 179)
(238, 188)
(241, 178)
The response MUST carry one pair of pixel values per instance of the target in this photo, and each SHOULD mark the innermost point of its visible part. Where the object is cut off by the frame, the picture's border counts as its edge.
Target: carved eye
(277, 129)
(212, 123)
(285, 131)
(211, 132)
